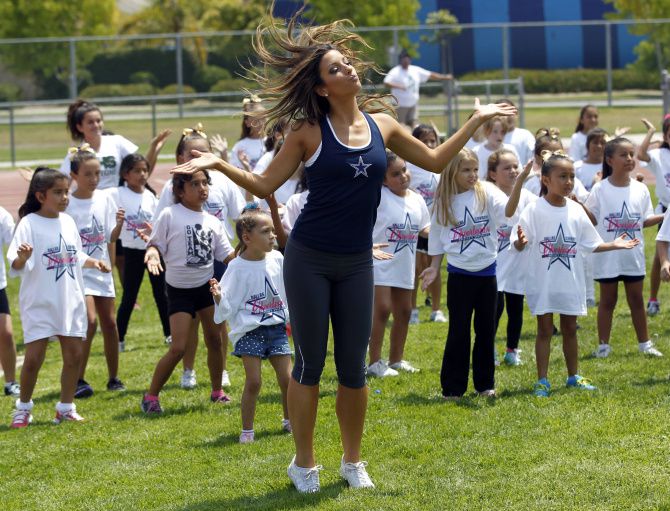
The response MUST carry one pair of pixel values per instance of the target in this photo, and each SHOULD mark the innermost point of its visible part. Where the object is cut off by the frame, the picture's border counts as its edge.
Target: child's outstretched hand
(219, 145)
(526, 170)
(120, 216)
(521, 241)
(159, 140)
(215, 289)
(101, 266)
(244, 160)
(145, 232)
(379, 254)
(648, 125)
(665, 271)
(24, 252)
(623, 242)
(153, 261)
(427, 277)
(621, 131)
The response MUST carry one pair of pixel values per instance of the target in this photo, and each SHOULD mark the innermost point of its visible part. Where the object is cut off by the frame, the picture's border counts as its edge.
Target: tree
(443, 36)
(52, 18)
(655, 52)
(369, 13)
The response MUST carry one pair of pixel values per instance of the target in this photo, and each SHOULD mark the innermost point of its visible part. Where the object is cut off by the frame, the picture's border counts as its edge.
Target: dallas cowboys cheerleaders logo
(267, 304)
(137, 221)
(361, 167)
(403, 235)
(559, 248)
(198, 245)
(427, 191)
(93, 238)
(216, 209)
(471, 230)
(504, 232)
(61, 258)
(623, 222)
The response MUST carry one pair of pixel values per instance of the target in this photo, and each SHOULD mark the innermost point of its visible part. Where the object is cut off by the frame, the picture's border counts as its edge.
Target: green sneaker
(578, 382)
(541, 388)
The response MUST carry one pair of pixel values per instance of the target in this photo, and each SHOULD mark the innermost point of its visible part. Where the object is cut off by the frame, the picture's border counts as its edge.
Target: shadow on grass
(650, 382)
(284, 498)
(167, 412)
(234, 438)
(467, 401)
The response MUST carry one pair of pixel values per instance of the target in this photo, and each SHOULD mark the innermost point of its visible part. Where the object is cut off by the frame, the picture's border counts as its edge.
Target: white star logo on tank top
(361, 167)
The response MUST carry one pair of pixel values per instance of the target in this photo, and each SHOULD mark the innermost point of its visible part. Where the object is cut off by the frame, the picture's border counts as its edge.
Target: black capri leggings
(133, 274)
(320, 285)
(514, 304)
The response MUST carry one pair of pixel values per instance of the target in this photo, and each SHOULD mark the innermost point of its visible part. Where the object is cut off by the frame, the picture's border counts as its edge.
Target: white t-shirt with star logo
(399, 221)
(659, 164)
(620, 210)
(189, 241)
(554, 274)
(252, 295)
(423, 182)
(6, 233)
(51, 296)
(511, 264)
(95, 219)
(140, 209)
(471, 244)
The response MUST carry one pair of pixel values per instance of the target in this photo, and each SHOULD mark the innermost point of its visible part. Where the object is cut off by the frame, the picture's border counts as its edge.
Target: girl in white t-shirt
(589, 170)
(425, 184)
(658, 161)
(494, 131)
(504, 172)
(251, 145)
(7, 346)
(401, 216)
(588, 119)
(621, 205)
(555, 231)
(189, 240)
(139, 204)
(252, 299)
(46, 252)
(99, 222)
(463, 225)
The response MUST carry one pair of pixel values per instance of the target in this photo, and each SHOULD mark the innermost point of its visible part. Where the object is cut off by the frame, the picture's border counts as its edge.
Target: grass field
(49, 141)
(606, 450)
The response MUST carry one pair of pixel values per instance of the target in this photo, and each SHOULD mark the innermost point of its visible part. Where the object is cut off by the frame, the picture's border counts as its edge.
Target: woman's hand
(484, 112)
(201, 161)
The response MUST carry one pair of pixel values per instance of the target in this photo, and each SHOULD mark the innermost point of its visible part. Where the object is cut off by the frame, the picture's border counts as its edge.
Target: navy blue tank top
(344, 192)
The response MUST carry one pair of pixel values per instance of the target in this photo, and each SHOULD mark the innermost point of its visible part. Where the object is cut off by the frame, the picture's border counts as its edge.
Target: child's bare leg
(637, 311)
(7, 348)
(32, 362)
(191, 346)
(655, 278)
(570, 347)
(91, 327)
(608, 298)
(180, 326)
(282, 366)
(110, 333)
(380, 317)
(71, 349)
(212, 334)
(435, 290)
(224, 344)
(545, 329)
(402, 307)
(252, 387)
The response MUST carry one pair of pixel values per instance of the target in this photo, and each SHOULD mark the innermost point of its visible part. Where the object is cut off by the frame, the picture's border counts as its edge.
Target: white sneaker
(590, 303)
(355, 474)
(168, 339)
(653, 307)
(122, 346)
(286, 426)
(603, 351)
(414, 317)
(648, 348)
(305, 480)
(225, 379)
(188, 380)
(403, 365)
(381, 370)
(438, 317)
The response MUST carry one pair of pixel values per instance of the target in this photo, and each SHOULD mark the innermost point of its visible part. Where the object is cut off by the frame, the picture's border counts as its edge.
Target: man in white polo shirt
(404, 80)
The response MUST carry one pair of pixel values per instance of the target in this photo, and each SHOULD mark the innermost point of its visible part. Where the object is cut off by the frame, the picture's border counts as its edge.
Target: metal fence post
(396, 50)
(522, 100)
(450, 105)
(665, 90)
(505, 55)
(153, 118)
(73, 69)
(12, 145)
(179, 54)
(608, 60)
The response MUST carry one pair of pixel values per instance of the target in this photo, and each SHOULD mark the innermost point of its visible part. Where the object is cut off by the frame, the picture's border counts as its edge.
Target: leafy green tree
(443, 36)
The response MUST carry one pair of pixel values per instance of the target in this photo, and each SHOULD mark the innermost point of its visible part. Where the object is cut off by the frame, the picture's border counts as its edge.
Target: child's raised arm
(642, 153)
(155, 148)
(513, 201)
(282, 238)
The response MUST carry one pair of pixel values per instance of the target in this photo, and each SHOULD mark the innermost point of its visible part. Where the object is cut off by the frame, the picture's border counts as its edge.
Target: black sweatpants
(467, 294)
(133, 274)
(322, 286)
(514, 304)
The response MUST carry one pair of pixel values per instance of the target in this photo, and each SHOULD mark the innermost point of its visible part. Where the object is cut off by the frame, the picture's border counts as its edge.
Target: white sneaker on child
(438, 317)
(225, 379)
(603, 351)
(247, 437)
(286, 425)
(355, 474)
(188, 380)
(648, 348)
(414, 317)
(381, 370)
(403, 365)
(305, 480)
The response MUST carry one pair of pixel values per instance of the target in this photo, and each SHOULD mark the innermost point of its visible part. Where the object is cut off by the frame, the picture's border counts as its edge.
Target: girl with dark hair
(341, 135)
(588, 119)
(589, 170)
(46, 251)
(621, 205)
(556, 231)
(251, 146)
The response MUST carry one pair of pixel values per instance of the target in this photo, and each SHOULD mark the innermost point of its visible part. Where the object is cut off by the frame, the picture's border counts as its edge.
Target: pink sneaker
(21, 419)
(220, 397)
(69, 416)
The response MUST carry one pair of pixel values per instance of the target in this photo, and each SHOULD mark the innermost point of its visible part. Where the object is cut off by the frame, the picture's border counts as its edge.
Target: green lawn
(607, 450)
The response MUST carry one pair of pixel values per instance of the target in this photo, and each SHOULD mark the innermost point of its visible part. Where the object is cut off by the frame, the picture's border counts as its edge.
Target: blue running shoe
(578, 382)
(542, 388)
